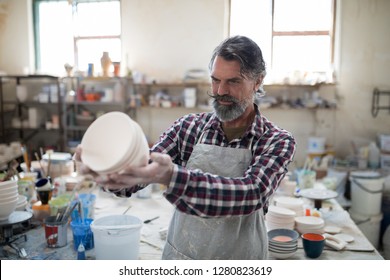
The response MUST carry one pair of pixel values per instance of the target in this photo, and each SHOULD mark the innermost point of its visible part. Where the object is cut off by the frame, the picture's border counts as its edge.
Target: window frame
(330, 33)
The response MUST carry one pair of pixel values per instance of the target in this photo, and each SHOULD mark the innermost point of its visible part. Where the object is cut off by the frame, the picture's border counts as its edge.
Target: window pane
(56, 37)
(302, 53)
(91, 50)
(253, 18)
(58, 27)
(98, 19)
(302, 15)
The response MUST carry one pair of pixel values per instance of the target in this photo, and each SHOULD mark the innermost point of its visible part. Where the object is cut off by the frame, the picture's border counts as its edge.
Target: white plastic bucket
(366, 192)
(369, 225)
(117, 237)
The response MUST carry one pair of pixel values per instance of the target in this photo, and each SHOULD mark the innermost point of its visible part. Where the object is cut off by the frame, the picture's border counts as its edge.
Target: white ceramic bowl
(7, 208)
(281, 256)
(7, 183)
(8, 192)
(112, 142)
(8, 197)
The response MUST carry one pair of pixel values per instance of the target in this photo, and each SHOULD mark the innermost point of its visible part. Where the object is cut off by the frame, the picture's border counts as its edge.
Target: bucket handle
(365, 189)
(113, 232)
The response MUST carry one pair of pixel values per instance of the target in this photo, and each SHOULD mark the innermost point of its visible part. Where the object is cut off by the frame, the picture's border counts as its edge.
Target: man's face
(233, 92)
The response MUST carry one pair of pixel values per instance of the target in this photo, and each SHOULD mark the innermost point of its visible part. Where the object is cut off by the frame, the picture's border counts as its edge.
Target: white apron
(238, 237)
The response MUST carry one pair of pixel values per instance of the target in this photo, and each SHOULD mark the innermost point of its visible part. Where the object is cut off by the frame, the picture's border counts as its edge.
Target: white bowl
(7, 208)
(8, 197)
(8, 190)
(6, 184)
(283, 247)
(281, 256)
(112, 142)
(309, 221)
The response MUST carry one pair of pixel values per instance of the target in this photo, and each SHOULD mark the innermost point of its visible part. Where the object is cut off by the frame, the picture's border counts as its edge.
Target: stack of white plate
(112, 142)
(8, 198)
(292, 203)
(279, 217)
(309, 224)
(282, 243)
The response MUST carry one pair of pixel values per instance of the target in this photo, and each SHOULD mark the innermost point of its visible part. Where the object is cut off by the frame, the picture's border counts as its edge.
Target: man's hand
(158, 171)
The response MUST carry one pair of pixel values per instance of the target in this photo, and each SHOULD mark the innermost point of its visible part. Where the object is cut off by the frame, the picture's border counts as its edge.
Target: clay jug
(106, 63)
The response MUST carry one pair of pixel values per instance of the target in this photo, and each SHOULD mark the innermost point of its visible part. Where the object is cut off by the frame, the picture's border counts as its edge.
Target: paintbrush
(39, 161)
(26, 159)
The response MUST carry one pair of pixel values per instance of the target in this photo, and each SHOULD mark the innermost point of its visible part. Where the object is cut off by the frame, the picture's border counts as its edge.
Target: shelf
(95, 103)
(300, 85)
(47, 85)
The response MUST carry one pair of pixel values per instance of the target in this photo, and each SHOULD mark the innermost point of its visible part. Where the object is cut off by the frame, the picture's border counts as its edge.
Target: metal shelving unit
(8, 98)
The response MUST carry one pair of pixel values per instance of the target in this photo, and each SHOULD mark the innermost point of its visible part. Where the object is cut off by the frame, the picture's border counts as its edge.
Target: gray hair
(246, 52)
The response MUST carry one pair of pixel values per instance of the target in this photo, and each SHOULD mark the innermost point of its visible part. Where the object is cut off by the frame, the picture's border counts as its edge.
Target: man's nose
(222, 89)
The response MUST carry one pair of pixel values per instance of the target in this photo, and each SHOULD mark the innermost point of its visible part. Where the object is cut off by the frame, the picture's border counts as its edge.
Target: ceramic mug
(313, 244)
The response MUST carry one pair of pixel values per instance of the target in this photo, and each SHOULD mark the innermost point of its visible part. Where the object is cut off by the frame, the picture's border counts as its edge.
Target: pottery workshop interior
(94, 94)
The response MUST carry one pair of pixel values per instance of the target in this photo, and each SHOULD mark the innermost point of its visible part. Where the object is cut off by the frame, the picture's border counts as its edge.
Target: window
(296, 36)
(75, 32)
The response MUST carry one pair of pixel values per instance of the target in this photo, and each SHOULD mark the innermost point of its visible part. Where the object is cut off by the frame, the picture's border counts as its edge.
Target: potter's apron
(238, 237)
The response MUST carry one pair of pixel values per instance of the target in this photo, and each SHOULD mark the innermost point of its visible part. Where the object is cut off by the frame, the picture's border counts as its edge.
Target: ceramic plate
(318, 193)
(281, 212)
(332, 229)
(346, 237)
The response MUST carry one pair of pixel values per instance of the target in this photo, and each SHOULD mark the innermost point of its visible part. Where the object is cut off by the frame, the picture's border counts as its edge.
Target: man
(221, 167)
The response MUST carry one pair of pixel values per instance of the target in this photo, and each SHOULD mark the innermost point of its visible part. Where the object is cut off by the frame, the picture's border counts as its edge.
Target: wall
(165, 38)
(364, 65)
(16, 37)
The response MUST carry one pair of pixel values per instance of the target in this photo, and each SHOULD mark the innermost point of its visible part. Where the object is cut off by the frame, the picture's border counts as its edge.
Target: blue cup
(82, 233)
(313, 244)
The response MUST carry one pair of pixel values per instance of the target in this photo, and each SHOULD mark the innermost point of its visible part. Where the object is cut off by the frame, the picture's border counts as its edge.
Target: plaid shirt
(208, 195)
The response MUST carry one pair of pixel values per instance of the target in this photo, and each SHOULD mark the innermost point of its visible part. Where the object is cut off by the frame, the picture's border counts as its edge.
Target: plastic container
(82, 234)
(117, 237)
(366, 192)
(369, 225)
(87, 201)
(373, 156)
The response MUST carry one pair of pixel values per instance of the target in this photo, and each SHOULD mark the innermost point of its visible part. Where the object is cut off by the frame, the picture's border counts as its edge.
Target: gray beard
(231, 112)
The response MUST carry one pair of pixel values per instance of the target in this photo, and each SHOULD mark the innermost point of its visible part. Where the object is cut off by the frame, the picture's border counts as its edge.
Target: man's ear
(258, 83)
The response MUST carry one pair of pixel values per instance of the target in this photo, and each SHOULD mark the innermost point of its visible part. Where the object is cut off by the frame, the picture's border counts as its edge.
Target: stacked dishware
(112, 142)
(282, 243)
(279, 217)
(9, 197)
(291, 203)
(21, 203)
(309, 224)
(287, 187)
